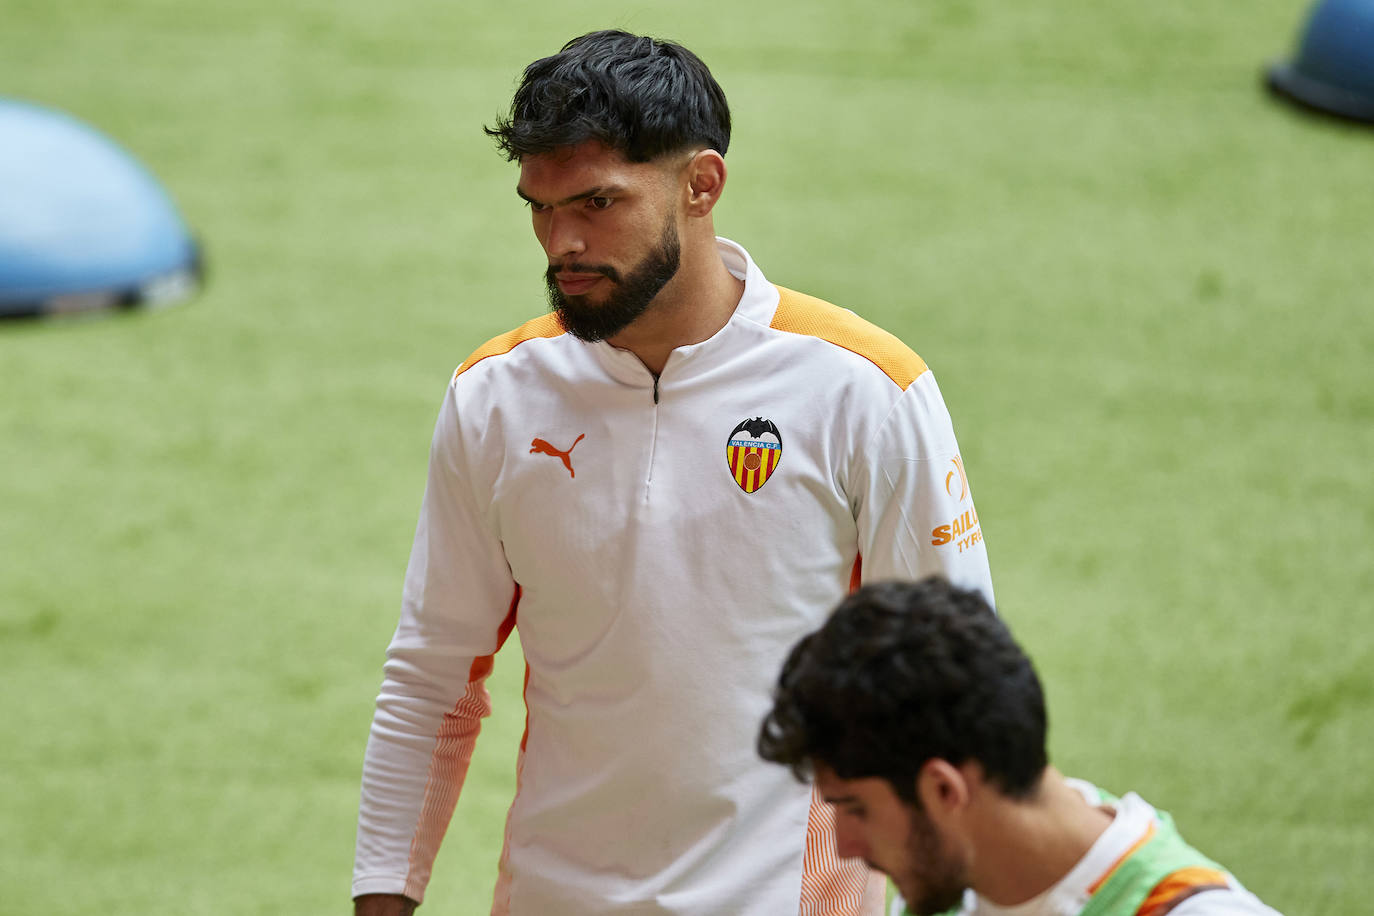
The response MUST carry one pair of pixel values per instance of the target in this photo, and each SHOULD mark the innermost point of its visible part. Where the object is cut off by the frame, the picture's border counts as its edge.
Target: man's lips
(576, 284)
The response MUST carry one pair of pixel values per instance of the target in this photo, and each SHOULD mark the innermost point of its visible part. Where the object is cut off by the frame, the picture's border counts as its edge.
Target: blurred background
(1142, 282)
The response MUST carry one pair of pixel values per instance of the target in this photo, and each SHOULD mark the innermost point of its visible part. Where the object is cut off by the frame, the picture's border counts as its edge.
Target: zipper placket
(653, 444)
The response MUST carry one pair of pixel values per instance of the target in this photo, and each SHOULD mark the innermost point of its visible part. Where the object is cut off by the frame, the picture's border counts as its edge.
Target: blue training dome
(82, 224)
(1333, 69)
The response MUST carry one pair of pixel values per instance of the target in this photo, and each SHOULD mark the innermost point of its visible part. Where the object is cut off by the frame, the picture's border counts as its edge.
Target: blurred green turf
(1141, 283)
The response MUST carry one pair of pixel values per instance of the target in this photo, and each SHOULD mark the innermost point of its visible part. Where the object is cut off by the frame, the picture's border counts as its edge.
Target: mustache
(607, 271)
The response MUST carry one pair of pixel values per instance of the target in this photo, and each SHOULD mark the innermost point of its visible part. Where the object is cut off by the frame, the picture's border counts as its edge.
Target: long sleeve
(458, 605)
(915, 508)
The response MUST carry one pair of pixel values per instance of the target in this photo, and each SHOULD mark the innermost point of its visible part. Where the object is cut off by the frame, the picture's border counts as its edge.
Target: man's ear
(705, 181)
(942, 789)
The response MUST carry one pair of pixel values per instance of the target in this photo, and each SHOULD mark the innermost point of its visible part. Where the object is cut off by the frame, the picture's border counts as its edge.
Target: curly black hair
(906, 672)
(639, 95)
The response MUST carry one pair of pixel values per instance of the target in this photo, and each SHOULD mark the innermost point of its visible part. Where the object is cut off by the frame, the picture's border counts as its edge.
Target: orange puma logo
(543, 447)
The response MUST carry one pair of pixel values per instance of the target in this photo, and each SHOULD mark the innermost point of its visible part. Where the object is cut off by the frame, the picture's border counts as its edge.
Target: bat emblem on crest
(752, 452)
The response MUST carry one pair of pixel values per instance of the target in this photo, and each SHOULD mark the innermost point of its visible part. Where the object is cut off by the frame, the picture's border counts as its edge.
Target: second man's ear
(941, 788)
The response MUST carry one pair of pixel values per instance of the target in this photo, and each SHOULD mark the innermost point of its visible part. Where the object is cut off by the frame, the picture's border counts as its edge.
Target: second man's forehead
(827, 782)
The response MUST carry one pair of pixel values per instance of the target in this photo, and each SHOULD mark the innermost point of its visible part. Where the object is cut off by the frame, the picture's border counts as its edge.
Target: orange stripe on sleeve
(448, 765)
(799, 313)
(543, 326)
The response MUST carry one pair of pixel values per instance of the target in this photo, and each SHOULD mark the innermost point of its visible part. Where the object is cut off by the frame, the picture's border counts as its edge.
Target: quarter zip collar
(757, 304)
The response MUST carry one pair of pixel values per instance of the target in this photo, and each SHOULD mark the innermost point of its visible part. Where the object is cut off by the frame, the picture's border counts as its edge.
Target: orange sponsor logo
(962, 531)
(544, 448)
(959, 475)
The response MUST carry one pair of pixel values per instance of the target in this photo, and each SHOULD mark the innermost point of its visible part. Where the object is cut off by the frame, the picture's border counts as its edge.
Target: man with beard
(923, 725)
(664, 484)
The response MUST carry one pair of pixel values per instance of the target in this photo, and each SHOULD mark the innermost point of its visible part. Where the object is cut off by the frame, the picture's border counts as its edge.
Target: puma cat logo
(543, 447)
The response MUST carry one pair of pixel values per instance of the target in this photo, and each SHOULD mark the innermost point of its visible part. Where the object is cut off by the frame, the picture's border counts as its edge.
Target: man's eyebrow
(599, 191)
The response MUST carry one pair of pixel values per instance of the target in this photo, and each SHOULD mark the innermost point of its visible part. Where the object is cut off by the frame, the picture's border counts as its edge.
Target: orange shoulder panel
(799, 313)
(1179, 886)
(543, 326)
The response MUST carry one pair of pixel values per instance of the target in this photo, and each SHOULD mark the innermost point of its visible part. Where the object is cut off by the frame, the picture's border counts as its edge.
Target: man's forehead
(588, 157)
(827, 782)
(832, 786)
(592, 162)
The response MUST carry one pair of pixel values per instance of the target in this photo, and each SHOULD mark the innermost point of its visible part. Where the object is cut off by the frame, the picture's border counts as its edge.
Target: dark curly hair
(903, 673)
(641, 96)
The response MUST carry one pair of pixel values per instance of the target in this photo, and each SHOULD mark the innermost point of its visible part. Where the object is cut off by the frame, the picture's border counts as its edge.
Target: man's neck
(691, 308)
(1027, 846)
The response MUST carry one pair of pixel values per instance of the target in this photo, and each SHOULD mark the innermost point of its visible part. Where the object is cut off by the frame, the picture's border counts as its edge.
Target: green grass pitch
(1143, 285)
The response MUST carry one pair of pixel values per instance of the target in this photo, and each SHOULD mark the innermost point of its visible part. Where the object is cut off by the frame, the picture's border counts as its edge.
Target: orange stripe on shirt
(448, 764)
(543, 326)
(1179, 886)
(799, 313)
(1145, 838)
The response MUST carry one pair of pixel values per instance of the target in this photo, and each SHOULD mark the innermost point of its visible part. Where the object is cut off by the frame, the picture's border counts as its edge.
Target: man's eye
(536, 208)
(598, 203)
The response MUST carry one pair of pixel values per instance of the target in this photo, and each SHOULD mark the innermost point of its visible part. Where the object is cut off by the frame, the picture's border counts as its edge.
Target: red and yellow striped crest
(752, 453)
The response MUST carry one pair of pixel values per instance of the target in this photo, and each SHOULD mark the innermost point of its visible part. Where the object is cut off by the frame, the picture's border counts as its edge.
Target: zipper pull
(655, 389)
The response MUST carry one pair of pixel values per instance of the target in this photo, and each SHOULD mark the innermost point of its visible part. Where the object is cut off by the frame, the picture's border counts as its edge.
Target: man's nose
(562, 237)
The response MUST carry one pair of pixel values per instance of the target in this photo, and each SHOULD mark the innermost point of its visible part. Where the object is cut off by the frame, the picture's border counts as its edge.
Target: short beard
(941, 880)
(629, 298)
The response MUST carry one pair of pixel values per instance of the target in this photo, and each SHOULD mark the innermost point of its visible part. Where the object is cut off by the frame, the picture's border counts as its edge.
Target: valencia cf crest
(753, 452)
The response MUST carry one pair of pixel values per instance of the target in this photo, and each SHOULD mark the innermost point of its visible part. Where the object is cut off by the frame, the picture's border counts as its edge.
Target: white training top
(1134, 818)
(661, 546)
